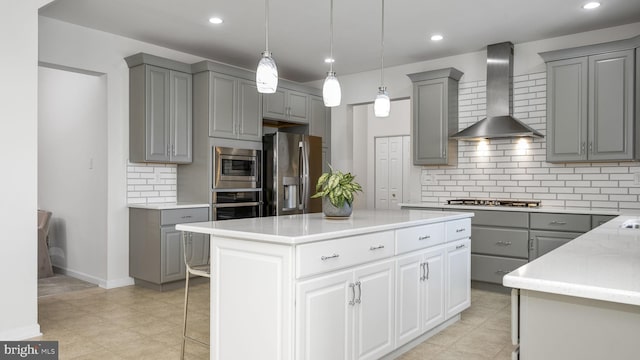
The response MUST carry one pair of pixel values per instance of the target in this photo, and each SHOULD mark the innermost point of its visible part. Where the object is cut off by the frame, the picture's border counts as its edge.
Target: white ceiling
(299, 29)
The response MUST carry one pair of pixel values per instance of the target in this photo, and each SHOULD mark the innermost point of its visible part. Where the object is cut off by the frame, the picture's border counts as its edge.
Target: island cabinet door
(458, 277)
(420, 293)
(324, 317)
(374, 311)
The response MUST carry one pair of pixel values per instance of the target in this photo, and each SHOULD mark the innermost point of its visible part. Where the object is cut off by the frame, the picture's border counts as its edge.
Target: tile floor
(137, 323)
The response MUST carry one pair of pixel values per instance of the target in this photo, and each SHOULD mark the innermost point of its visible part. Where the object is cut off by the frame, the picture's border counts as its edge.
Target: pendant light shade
(331, 92)
(267, 72)
(382, 105)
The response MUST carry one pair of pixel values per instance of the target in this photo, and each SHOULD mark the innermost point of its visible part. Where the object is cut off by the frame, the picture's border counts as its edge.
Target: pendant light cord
(266, 26)
(331, 37)
(382, 49)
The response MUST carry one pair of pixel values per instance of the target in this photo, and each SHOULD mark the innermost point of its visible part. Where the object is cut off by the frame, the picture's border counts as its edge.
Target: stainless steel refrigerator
(292, 166)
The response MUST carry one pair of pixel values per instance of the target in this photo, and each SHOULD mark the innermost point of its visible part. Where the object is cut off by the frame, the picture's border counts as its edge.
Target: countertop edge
(542, 209)
(167, 206)
(209, 228)
(575, 290)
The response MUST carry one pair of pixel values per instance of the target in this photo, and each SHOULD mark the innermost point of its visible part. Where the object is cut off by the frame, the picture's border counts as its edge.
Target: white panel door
(395, 171)
(374, 311)
(433, 289)
(324, 317)
(408, 298)
(382, 173)
(458, 277)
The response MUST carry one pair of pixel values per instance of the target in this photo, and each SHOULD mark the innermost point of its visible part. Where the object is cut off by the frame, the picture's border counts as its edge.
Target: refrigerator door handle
(303, 164)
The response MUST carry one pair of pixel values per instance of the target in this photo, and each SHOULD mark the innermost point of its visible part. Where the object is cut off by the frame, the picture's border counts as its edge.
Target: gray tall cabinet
(590, 103)
(160, 118)
(435, 116)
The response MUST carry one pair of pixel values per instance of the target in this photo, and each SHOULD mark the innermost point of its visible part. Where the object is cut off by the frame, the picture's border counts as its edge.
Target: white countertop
(603, 264)
(167, 206)
(299, 229)
(542, 209)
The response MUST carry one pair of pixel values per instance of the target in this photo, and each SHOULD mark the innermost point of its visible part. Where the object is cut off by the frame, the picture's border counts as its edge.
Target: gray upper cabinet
(320, 125)
(319, 120)
(435, 116)
(567, 110)
(286, 105)
(590, 103)
(160, 110)
(235, 108)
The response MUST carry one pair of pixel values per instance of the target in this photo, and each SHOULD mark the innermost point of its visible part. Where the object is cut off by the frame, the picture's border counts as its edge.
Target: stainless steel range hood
(499, 123)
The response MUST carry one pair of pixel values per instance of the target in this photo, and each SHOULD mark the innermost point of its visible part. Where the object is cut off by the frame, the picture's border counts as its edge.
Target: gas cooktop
(495, 202)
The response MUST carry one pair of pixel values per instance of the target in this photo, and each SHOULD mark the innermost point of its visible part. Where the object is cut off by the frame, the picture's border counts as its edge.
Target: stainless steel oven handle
(229, 205)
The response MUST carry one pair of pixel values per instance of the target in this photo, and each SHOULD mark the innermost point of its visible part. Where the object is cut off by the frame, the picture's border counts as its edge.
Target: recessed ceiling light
(591, 5)
(329, 60)
(215, 20)
(436, 37)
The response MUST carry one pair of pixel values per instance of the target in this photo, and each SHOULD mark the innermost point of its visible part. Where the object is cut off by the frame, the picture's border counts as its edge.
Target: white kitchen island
(582, 300)
(307, 287)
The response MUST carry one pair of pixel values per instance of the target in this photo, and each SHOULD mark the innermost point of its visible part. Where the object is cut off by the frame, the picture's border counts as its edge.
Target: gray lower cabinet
(160, 115)
(156, 250)
(552, 230)
(286, 105)
(590, 104)
(435, 116)
(499, 244)
(235, 107)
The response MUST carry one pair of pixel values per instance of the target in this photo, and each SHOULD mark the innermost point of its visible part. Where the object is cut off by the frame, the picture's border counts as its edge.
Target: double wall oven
(237, 186)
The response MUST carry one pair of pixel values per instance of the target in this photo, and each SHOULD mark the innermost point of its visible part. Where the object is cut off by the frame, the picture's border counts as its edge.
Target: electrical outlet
(427, 179)
(636, 179)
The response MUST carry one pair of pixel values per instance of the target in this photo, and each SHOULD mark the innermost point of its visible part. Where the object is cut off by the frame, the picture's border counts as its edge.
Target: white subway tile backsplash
(505, 171)
(151, 183)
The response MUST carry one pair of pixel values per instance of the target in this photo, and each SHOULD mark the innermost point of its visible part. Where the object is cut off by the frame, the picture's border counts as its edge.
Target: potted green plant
(337, 191)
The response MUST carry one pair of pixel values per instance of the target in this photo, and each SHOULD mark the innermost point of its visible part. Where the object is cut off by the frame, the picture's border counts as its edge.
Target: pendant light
(382, 105)
(331, 92)
(267, 72)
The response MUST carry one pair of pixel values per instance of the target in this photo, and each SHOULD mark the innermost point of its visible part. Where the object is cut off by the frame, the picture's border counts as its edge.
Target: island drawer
(458, 229)
(597, 220)
(562, 222)
(500, 241)
(325, 256)
(185, 215)
(492, 268)
(419, 237)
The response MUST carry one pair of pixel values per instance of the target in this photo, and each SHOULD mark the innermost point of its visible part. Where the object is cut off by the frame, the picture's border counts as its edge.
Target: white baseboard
(105, 284)
(22, 333)
(112, 284)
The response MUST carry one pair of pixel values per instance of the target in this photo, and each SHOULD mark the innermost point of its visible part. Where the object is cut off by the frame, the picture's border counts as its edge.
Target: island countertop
(299, 229)
(603, 264)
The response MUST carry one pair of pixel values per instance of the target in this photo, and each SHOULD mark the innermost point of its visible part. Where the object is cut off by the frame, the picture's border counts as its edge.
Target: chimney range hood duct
(499, 123)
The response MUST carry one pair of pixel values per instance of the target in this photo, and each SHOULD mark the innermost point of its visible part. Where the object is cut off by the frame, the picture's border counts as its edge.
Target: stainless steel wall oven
(236, 204)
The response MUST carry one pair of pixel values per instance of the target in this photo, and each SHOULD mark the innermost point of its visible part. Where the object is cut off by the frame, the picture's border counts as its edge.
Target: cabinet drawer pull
(323, 258)
(503, 243)
(353, 294)
(359, 285)
(558, 222)
(426, 237)
(460, 230)
(502, 272)
(186, 217)
(459, 246)
(376, 247)
(422, 277)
